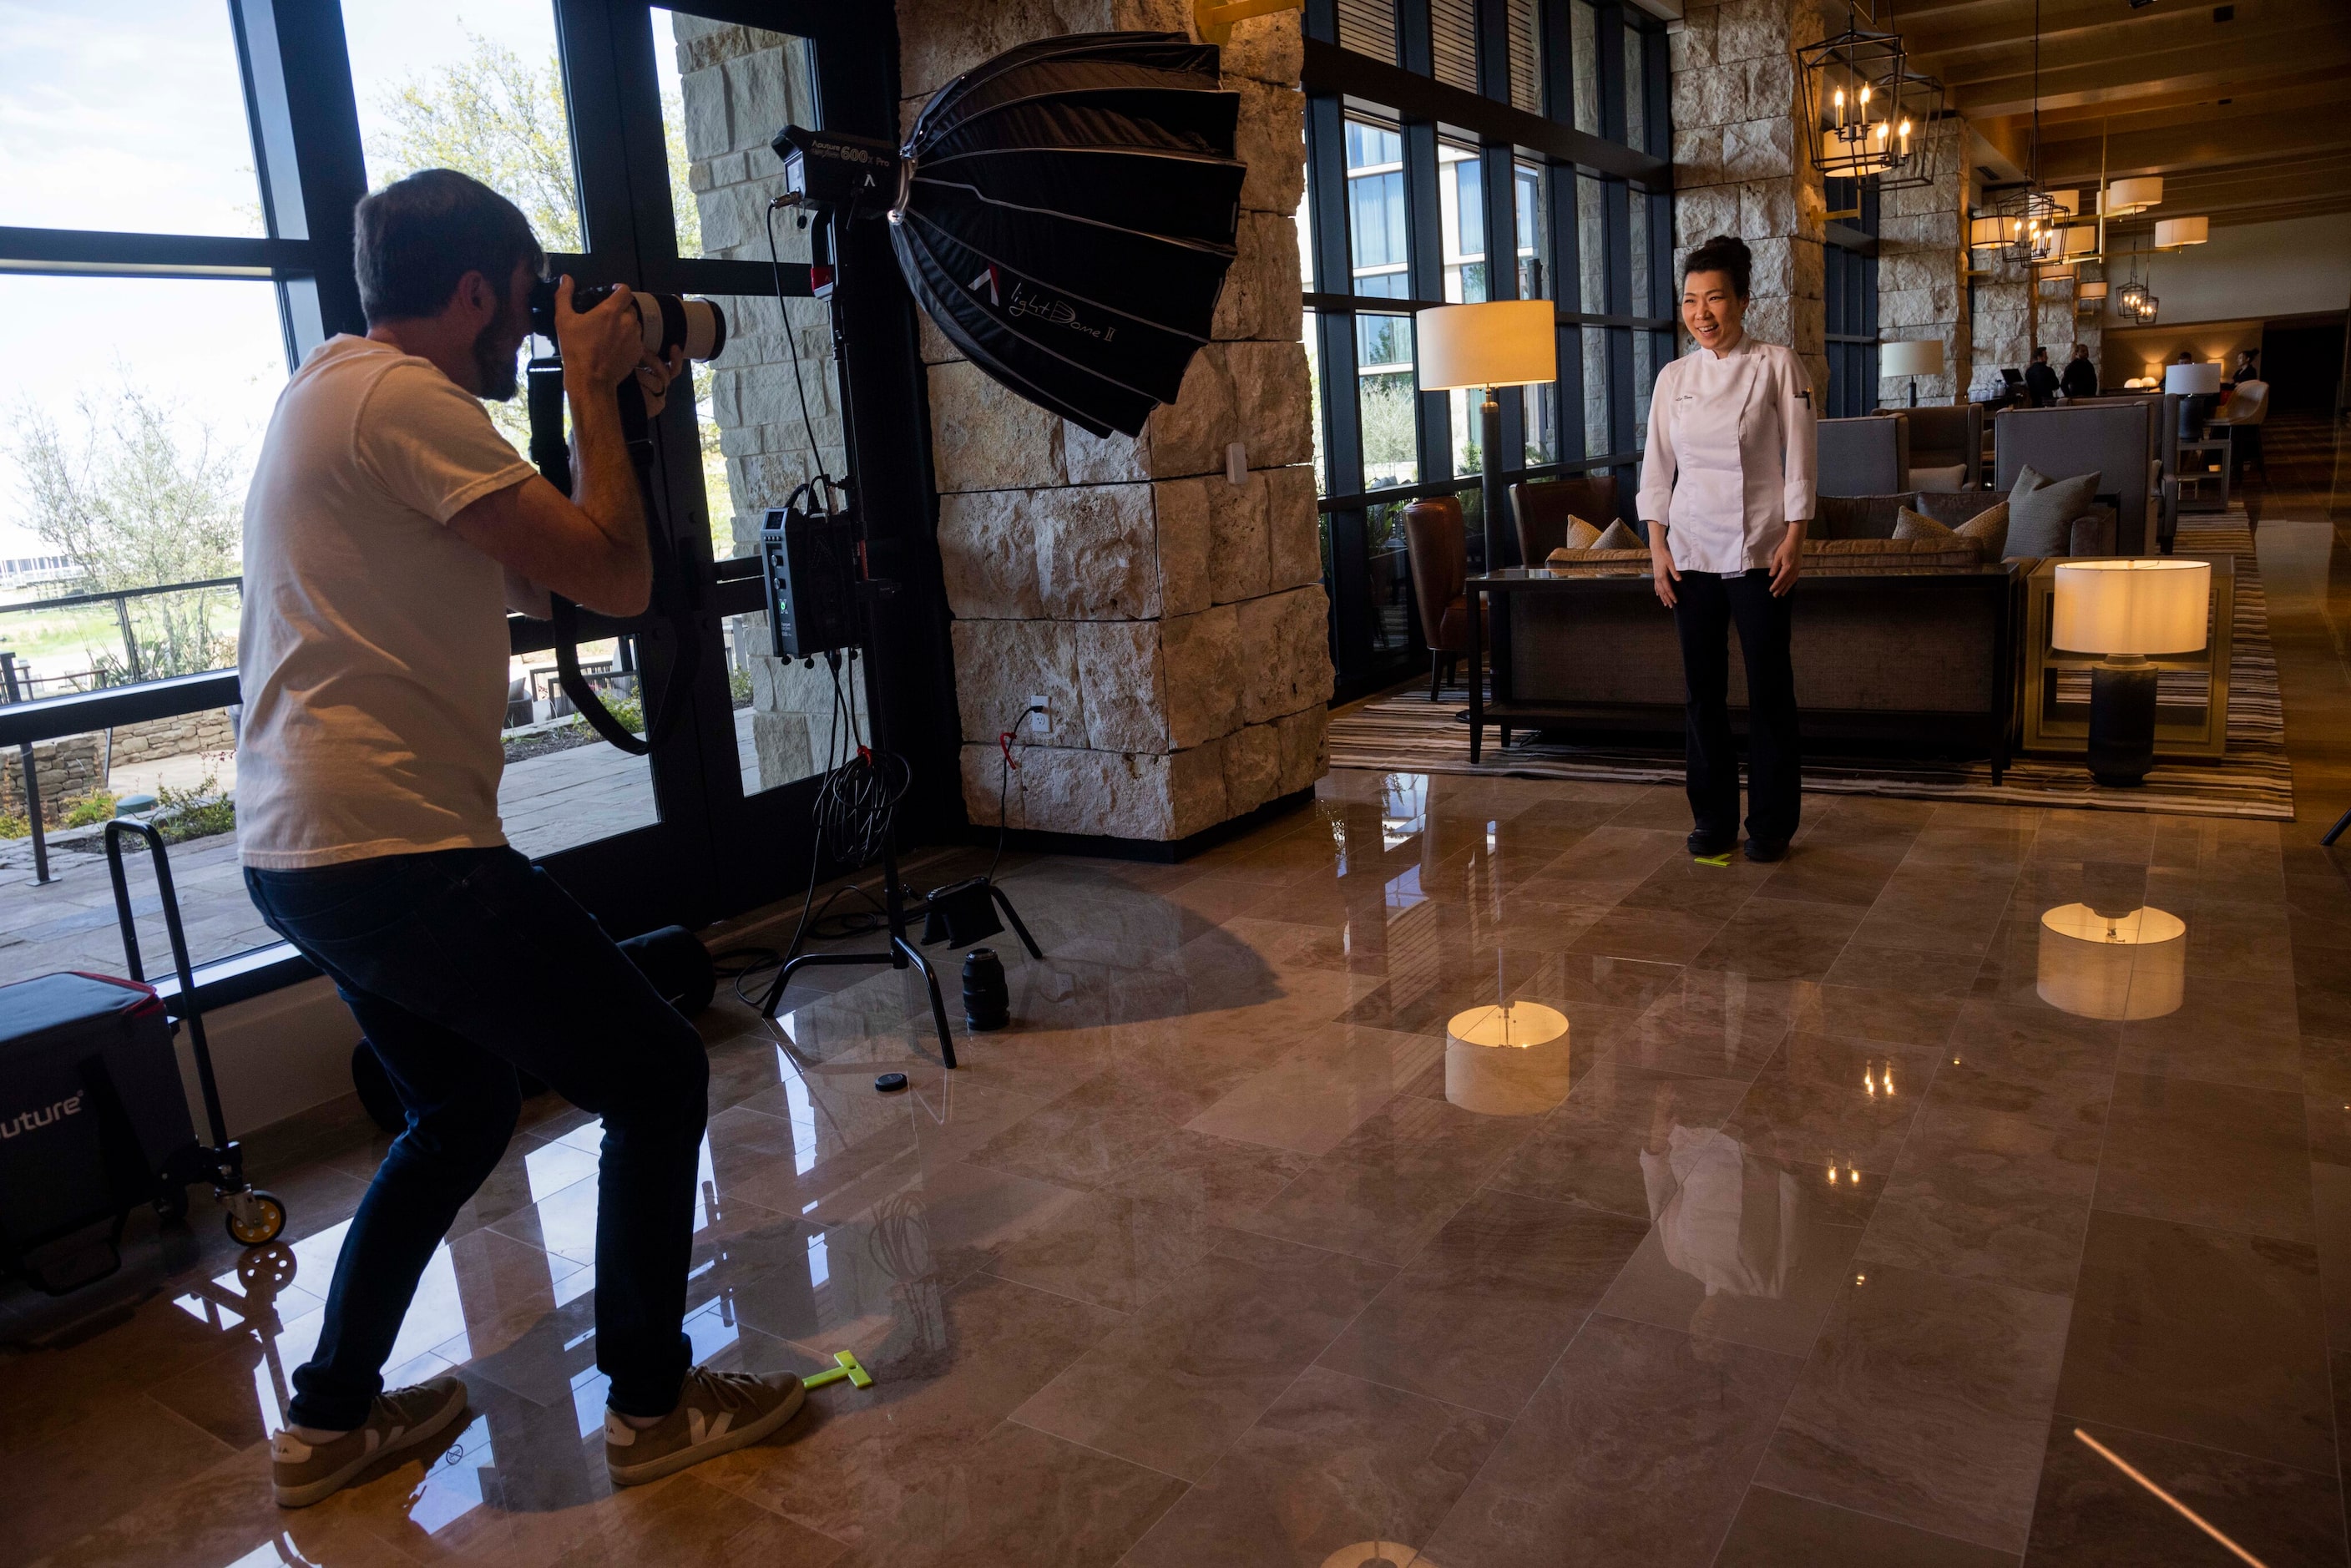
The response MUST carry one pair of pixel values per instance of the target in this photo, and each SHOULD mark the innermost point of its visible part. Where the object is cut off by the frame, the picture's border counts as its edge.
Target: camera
(668, 321)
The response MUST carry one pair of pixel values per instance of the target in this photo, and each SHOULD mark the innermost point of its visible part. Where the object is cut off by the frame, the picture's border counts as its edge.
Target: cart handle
(200, 1046)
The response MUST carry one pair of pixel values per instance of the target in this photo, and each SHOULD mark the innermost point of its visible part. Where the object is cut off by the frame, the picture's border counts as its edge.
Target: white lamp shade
(2094, 290)
(2189, 380)
(1507, 1060)
(1985, 233)
(1918, 357)
(2066, 202)
(2132, 966)
(2172, 233)
(2156, 605)
(2081, 239)
(2125, 197)
(1498, 343)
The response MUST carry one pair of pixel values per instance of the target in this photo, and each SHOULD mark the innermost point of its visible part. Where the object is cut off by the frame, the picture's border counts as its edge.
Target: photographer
(388, 528)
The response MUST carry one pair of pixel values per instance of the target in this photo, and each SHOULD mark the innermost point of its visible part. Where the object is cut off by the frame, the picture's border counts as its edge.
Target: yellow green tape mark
(847, 1368)
(1721, 860)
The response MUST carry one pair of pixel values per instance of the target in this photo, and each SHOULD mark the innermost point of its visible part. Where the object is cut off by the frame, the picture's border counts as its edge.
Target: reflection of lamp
(2114, 966)
(1498, 343)
(1507, 1060)
(1915, 358)
(2126, 610)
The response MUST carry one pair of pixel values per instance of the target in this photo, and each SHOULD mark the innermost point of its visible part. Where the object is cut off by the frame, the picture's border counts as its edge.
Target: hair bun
(1731, 243)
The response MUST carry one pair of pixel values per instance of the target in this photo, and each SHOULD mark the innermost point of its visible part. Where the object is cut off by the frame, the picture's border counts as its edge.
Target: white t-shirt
(372, 656)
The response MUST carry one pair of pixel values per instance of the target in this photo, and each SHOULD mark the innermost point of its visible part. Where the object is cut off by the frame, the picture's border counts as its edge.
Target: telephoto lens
(668, 321)
(987, 1001)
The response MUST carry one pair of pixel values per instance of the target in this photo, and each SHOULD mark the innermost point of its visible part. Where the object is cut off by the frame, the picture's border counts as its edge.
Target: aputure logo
(27, 1121)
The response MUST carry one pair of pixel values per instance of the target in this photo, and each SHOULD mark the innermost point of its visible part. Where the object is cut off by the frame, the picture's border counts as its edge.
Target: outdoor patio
(548, 804)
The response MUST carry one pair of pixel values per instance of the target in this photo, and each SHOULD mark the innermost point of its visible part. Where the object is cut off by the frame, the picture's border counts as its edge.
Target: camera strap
(552, 454)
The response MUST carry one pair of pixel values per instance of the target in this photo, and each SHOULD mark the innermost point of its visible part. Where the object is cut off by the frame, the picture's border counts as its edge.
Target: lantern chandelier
(1867, 114)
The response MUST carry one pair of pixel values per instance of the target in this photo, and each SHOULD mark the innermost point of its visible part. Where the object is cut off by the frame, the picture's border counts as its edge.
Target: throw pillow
(1910, 525)
(1939, 479)
(1579, 534)
(2041, 513)
(1618, 537)
(1988, 528)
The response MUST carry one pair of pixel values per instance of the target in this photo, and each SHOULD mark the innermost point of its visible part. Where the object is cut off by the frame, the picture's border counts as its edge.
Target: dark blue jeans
(462, 966)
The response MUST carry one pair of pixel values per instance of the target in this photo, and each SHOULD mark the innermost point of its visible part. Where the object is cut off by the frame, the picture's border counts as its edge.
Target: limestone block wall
(181, 737)
(64, 769)
(1922, 261)
(739, 85)
(1739, 166)
(1174, 622)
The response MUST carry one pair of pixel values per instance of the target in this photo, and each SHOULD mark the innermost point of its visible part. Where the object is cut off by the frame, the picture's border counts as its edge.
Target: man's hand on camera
(602, 346)
(655, 379)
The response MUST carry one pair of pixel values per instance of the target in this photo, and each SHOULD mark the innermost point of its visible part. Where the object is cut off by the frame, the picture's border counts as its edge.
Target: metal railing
(134, 664)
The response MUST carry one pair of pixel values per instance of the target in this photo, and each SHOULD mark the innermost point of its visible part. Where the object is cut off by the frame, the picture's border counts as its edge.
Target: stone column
(1173, 623)
(1922, 265)
(1740, 164)
(739, 85)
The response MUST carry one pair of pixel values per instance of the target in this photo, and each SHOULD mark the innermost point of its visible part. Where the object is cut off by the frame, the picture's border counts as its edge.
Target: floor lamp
(1494, 344)
(1915, 358)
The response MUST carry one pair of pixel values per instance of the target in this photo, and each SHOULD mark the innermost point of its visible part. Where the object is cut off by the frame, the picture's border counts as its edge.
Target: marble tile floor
(1821, 1257)
(1843, 1244)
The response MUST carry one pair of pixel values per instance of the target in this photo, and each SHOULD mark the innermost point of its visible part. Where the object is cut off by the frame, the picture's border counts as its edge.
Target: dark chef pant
(1708, 602)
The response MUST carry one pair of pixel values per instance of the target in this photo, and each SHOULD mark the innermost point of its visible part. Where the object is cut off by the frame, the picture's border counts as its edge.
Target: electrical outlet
(1040, 719)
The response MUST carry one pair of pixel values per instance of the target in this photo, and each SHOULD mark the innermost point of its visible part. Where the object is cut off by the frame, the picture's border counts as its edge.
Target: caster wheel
(254, 1217)
(171, 1203)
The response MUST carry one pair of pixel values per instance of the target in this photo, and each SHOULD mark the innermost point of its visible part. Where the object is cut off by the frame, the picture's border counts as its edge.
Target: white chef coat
(1731, 454)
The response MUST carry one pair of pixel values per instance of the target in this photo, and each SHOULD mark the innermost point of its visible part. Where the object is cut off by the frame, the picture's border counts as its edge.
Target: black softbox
(1066, 215)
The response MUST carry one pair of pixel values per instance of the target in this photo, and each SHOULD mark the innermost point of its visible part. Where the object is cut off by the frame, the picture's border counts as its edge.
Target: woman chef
(1726, 490)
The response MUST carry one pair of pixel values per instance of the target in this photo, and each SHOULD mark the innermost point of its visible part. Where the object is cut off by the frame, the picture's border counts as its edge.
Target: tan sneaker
(303, 1473)
(718, 1412)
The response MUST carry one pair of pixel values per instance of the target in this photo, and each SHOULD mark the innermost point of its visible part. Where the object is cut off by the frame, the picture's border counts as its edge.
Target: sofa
(1541, 510)
(1875, 516)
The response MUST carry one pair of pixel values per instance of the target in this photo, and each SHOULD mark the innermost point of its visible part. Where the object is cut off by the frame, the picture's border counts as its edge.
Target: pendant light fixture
(1853, 88)
(2029, 215)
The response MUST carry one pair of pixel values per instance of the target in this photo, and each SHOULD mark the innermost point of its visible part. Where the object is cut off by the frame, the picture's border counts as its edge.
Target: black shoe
(1705, 845)
(1765, 851)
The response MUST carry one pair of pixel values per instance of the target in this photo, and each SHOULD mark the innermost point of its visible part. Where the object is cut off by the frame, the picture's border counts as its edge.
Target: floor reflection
(2118, 965)
(1728, 1220)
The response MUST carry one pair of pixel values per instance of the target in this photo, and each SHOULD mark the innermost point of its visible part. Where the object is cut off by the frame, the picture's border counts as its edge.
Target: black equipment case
(91, 1108)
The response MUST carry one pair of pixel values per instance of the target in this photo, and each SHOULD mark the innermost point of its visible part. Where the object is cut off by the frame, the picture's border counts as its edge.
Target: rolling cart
(254, 1217)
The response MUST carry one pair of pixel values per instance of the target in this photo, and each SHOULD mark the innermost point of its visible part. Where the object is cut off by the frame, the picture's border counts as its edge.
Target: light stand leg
(2335, 832)
(1014, 915)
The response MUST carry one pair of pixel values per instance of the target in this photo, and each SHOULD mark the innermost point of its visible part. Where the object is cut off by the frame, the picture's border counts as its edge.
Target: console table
(1918, 662)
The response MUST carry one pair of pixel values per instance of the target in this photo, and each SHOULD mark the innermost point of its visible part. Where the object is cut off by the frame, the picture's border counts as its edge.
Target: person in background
(1726, 491)
(2040, 381)
(2081, 378)
(2249, 366)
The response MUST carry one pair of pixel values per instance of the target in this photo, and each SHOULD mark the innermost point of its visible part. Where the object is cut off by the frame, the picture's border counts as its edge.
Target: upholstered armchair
(1864, 457)
(1436, 546)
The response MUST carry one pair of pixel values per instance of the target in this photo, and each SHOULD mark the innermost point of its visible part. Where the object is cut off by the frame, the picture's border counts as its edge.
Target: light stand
(1490, 479)
(1486, 346)
(826, 272)
(2125, 608)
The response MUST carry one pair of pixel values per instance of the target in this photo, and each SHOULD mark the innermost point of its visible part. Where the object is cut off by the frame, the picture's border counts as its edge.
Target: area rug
(1402, 731)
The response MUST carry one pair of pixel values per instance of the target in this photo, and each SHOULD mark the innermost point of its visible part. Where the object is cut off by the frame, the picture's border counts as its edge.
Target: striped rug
(1403, 731)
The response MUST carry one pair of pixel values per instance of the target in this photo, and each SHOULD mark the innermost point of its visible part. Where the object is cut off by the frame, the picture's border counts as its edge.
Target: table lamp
(2126, 609)
(1497, 343)
(1920, 357)
(2196, 385)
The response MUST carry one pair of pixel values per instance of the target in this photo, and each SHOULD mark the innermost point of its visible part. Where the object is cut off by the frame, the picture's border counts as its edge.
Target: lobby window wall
(1461, 151)
(175, 238)
(1849, 282)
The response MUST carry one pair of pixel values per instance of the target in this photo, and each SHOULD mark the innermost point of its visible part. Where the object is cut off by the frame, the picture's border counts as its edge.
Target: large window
(1454, 157)
(175, 236)
(1849, 283)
